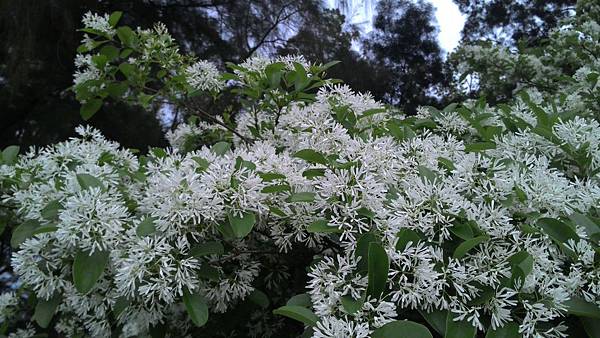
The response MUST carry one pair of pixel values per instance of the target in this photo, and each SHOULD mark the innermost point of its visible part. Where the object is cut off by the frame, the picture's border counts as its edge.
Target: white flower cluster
(136, 55)
(254, 67)
(488, 215)
(85, 70)
(98, 22)
(204, 75)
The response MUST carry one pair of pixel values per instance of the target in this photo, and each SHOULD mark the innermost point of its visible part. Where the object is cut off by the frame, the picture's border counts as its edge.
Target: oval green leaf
(379, 266)
(207, 248)
(298, 313)
(87, 269)
(458, 329)
(241, 226)
(402, 329)
(45, 309)
(467, 245)
(196, 307)
(311, 156)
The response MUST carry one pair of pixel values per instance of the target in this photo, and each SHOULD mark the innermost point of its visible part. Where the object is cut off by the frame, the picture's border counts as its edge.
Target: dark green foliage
(508, 22)
(404, 43)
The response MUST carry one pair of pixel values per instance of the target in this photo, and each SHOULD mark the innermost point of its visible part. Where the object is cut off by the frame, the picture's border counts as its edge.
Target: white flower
(98, 22)
(204, 75)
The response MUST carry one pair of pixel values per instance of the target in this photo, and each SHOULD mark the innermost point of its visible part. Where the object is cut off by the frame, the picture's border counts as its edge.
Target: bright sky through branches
(450, 21)
(447, 14)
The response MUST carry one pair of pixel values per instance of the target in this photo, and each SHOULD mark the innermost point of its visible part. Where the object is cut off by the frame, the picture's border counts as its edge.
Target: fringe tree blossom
(483, 216)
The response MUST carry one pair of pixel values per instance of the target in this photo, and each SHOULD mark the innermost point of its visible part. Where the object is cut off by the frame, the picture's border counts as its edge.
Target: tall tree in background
(331, 39)
(36, 66)
(507, 21)
(40, 39)
(404, 41)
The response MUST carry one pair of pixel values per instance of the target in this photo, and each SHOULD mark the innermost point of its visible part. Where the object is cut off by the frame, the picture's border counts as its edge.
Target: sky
(449, 18)
(450, 21)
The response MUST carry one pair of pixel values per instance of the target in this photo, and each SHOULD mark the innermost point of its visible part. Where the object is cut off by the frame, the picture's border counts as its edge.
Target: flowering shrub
(470, 220)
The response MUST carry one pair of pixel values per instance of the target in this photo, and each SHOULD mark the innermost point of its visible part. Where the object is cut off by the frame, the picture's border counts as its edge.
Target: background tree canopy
(399, 62)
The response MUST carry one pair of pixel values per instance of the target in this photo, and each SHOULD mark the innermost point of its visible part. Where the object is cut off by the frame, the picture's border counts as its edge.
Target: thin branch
(278, 20)
(200, 112)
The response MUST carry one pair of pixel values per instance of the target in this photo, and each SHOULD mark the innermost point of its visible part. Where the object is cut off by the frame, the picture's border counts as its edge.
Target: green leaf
(229, 76)
(312, 173)
(126, 35)
(146, 227)
(127, 69)
(114, 18)
(400, 132)
(301, 79)
(521, 195)
(241, 163)
(241, 226)
(509, 330)
(437, 319)
(467, 245)
(259, 298)
(209, 272)
(120, 305)
(458, 329)
(207, 248)
(23, 232)
(327, 66)
(298, 313)
(479, 146)
(462, 230)
(379, 266)
(302, 197)
(405, 236)
(221, 148)
(557, 230)
(226, 230)
(196, 307)
(486, 293)
(362, 250)
(402, 329)
(111, 52)
(44, 229)
(521, 265)
(276, 211)
(126, 52)
(591, 327)
(45, 309)
(100, 61)
(302, 299)
(90, 108)
(351, 305)
(311, 156)
(158, 152)
(268, 177)
(580, 307)
(50, 211)
(425, 123)
(10, 154)
(117, 89)
(87, 269)
(371, 112)
(590, 226)
(273, 73)
(87, 181)
(270, 189)
(446, 164)
(321, 226)
(428, 174)
(366, 212)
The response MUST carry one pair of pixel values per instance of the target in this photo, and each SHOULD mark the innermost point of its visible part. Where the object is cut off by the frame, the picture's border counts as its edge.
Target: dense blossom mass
(474, 218)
